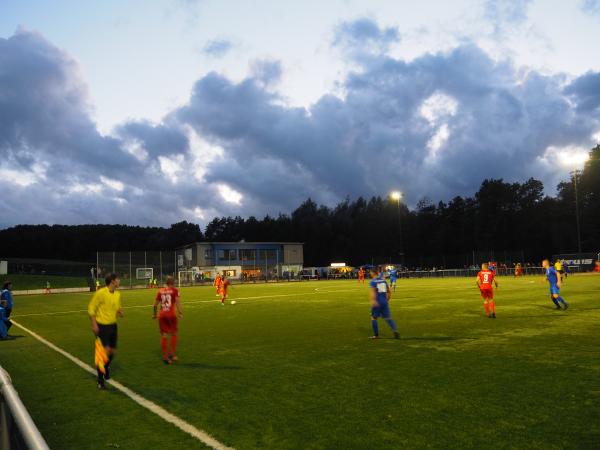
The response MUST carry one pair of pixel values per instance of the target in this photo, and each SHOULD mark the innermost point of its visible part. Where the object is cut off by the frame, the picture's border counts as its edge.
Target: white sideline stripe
(191, 302)
(202, 436)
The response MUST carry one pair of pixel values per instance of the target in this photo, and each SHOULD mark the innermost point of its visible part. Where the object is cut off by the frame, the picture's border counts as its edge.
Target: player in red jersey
(361, 275)
(170, 310)
(223, 289)
(217, 283)
(485, 279)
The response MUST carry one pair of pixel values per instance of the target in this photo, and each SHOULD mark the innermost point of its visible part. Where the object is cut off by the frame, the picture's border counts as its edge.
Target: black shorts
(108, 335)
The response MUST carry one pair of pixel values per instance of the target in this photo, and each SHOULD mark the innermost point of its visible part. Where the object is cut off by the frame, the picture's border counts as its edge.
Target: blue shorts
(382, 311)
(393, 280)
(554, 289)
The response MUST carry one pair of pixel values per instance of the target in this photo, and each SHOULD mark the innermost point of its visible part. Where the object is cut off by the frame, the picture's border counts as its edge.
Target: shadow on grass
(12, 337)
(435, 338)
(550, 307)
(199, 365)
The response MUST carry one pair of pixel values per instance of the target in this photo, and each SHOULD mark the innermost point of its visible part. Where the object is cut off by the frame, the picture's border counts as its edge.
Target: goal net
(144, 273)
(185, 277)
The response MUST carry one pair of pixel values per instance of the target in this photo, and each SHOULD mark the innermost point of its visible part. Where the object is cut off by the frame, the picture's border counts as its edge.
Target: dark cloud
(266, 71)
(434, 126)
(586, 92)
(364, 34)
(217, 48)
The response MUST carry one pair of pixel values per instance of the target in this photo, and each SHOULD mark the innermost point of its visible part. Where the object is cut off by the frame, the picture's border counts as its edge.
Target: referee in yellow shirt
(103, 309)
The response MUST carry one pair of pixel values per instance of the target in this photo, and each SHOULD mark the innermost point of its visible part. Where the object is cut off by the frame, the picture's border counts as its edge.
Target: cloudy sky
(152, 112)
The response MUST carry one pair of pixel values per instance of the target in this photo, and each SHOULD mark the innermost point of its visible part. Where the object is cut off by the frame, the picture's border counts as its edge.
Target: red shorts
(487, 293)
(167, 324)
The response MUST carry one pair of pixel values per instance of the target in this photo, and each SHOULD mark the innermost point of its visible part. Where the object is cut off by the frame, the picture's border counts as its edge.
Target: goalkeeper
(103, 309)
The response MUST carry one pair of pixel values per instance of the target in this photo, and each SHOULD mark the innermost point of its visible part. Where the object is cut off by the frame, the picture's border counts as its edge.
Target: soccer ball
(233, 302)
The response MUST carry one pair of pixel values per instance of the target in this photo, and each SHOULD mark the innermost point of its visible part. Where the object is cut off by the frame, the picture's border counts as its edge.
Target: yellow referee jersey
(105, 305)
(558, 265)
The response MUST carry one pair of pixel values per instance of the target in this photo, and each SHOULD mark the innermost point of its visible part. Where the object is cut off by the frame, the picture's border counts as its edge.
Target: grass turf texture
(291, 367)
(27, 282)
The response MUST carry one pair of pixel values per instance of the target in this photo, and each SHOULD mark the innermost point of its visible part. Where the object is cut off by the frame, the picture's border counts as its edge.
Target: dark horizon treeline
(500, 216)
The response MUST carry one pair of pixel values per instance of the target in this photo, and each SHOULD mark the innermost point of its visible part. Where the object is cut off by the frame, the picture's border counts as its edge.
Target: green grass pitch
(290, 366)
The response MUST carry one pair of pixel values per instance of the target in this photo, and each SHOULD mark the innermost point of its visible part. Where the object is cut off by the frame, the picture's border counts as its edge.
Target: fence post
(130, 280)
(97, 269)
(160, 263)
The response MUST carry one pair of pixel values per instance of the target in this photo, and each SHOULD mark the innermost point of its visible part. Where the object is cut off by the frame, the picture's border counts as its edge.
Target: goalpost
(185, 277)
(144, 273)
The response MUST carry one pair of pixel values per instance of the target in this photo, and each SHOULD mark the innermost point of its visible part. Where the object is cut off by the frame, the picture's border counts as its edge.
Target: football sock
(173, 344)
(163, 345)
(100, 376)
(392, 324)
(110, 358)
(492, 306)
(375, 326)
(555, 301)
(562, 300)
(487, 308)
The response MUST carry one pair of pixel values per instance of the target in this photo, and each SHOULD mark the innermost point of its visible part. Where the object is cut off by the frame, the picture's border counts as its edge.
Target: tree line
(499, 216)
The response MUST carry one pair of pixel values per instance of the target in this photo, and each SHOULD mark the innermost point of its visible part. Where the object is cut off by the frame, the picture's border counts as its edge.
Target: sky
(153, 112)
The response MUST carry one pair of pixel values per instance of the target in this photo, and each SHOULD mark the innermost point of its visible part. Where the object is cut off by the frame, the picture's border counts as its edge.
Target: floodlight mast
(397, 197)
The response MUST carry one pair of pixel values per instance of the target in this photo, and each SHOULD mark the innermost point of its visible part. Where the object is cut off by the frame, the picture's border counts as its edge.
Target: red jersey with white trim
(486, 278)
(167, 297)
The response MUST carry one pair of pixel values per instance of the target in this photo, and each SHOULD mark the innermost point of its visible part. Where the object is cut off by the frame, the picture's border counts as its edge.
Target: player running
(553, 278)
(170, 310)
(485, 278)
(223, 289)
(217, 284)
(103, 309)
(380, 297)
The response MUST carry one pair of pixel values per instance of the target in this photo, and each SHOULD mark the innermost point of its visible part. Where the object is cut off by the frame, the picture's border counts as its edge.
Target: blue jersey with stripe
(382, 288)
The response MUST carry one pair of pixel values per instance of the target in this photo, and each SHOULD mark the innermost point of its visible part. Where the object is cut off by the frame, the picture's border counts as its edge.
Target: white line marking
(191, 302)
(200, 435)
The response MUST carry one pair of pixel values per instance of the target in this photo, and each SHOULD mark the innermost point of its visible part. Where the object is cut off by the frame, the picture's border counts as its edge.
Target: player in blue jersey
(7, 298)
(553, 278)
(393, 278)
(380, 297)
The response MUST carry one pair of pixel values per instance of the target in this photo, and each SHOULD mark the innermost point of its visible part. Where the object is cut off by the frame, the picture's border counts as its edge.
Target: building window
(229, 273)
(267, 254)
(247, 254)
(227, 254)
(208, 253)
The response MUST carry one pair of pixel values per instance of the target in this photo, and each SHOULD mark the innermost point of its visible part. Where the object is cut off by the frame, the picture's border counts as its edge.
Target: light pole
(397, 196)
(575, 174)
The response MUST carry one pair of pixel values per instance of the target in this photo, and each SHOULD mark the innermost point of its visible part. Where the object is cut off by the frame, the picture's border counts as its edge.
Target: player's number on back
(165, 302)
(382, 288)
(486, 277)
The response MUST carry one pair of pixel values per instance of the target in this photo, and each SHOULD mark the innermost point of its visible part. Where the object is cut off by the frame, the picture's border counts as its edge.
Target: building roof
(238, 242)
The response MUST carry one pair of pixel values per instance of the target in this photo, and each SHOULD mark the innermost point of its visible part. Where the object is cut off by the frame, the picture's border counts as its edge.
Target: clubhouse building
(240, 260)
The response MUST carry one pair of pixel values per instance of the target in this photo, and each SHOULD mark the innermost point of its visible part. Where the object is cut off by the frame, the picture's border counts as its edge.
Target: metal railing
(472, 272)
(17, 430)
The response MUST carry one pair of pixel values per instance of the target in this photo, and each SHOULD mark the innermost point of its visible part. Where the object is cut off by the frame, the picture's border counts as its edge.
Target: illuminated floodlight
(338, 264)
(572, 159)
(396, 195)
